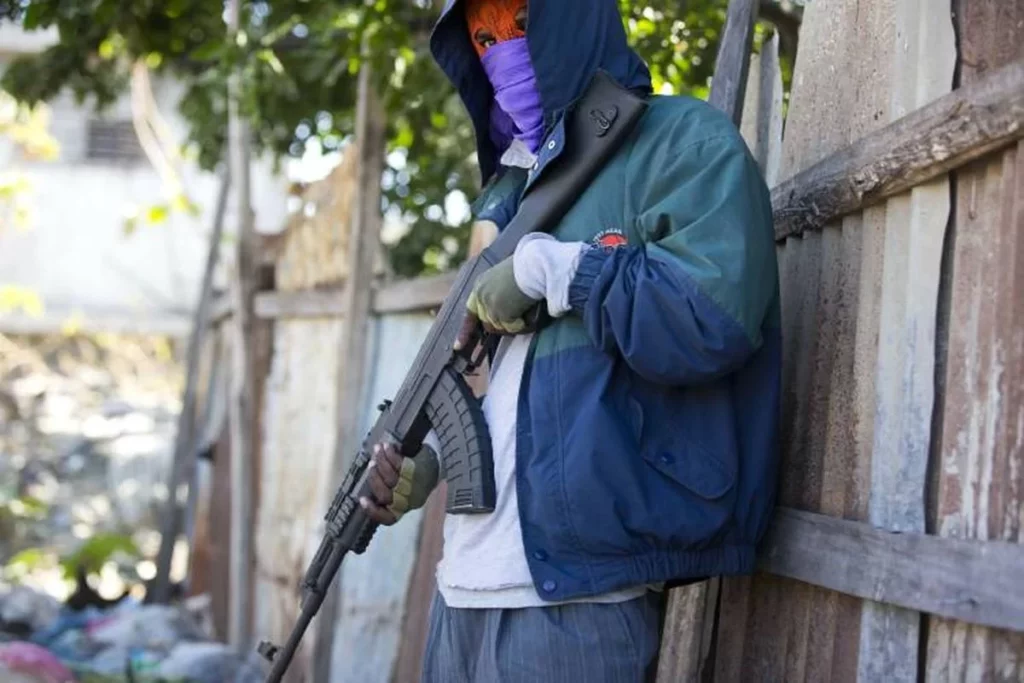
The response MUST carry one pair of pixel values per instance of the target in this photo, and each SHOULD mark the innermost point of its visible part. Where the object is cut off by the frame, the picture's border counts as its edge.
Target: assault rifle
(434, 394)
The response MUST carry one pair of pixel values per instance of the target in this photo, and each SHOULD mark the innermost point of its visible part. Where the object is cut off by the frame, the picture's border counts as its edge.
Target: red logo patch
(610, 238)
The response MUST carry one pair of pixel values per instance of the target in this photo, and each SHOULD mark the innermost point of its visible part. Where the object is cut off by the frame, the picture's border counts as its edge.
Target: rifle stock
(434, 394)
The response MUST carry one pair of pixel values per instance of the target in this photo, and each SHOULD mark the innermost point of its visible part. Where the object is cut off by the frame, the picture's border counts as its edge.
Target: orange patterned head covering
(494, 21)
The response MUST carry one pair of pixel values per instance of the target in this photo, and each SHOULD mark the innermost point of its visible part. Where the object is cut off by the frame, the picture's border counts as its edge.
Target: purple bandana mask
(518, 112)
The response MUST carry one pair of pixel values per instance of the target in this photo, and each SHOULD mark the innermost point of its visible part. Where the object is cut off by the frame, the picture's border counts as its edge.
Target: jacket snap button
(540, 555)
(551, 145)
(667, 458)
(549, 586)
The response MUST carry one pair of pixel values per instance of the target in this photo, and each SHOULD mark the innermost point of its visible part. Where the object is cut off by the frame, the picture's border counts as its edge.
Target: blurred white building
(76, 254)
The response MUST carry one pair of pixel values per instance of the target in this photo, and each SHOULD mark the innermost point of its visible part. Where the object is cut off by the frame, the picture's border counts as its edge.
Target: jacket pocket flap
(695, 469)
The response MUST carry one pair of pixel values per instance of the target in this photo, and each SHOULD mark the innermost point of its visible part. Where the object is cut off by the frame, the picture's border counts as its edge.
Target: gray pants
(580, 642)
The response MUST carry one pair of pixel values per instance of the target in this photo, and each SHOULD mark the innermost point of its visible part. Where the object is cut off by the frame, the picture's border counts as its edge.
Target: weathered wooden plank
(921, 72)
(818, 306)
(761, 125)
(980, 465)
(413, 295)
(831, 289)
(831, 448)
(729, 84)
(950, 132)
(312, 303)
(402, 296)
(687, 632)
(974, 581)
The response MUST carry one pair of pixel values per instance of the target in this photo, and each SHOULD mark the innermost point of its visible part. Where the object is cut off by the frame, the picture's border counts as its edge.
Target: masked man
(634, 437)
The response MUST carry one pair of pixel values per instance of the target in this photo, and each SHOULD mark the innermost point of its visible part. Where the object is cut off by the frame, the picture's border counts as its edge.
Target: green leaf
(267, 56)
(97, 551)
(32, 18)
(183, 204)
(157, 214)
(210, 50)
(27, 560)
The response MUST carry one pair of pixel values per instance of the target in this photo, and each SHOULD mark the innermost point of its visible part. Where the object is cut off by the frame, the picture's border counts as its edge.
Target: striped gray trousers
(578, 642)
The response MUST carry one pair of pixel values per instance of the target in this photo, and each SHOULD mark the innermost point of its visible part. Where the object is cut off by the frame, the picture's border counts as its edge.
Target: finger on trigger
(468, 324)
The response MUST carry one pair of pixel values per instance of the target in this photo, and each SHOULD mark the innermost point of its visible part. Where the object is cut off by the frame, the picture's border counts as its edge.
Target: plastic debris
(126, 643)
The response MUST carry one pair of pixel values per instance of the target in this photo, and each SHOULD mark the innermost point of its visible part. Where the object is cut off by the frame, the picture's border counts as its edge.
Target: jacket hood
(569, 41)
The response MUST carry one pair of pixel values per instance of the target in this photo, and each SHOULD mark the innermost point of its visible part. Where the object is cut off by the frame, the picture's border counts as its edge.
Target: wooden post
(242, 414)
(183, 465)
(358, 294)
(729, 84)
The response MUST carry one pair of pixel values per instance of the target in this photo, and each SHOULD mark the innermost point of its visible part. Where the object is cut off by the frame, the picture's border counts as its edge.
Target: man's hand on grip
(497, 302)
(398, 484)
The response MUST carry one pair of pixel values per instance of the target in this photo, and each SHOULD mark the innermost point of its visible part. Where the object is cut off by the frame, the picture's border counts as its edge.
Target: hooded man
(634, 436)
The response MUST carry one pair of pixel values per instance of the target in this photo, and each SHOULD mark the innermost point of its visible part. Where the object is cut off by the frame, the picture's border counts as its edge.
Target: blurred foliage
(299, 59)
(18, 514)
(26, 128)
(14, 298)
(97, 550)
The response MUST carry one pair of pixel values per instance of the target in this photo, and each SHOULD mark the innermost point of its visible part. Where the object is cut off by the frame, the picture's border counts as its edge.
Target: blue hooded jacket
(646, 442)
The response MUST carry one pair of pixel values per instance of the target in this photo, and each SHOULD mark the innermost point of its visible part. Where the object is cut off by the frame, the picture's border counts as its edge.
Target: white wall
(76, 255)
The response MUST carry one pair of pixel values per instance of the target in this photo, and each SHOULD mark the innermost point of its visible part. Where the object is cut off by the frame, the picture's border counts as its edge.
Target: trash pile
(42, 641)
(87, 425)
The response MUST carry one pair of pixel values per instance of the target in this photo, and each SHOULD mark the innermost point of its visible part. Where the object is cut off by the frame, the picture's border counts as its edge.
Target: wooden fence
(895, 554)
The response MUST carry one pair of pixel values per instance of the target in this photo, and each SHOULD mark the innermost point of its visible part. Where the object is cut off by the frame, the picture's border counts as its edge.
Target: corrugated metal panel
(374, 585)
(981, 475)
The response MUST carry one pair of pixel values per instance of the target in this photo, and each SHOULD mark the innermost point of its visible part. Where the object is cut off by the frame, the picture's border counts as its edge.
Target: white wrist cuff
(544, 268)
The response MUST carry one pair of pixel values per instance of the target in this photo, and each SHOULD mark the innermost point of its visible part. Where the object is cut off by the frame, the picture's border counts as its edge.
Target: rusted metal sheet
(374, 586)
(981, 469)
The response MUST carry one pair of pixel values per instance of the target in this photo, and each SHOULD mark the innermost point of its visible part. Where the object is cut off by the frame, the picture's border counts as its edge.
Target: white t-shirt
(484, 562)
